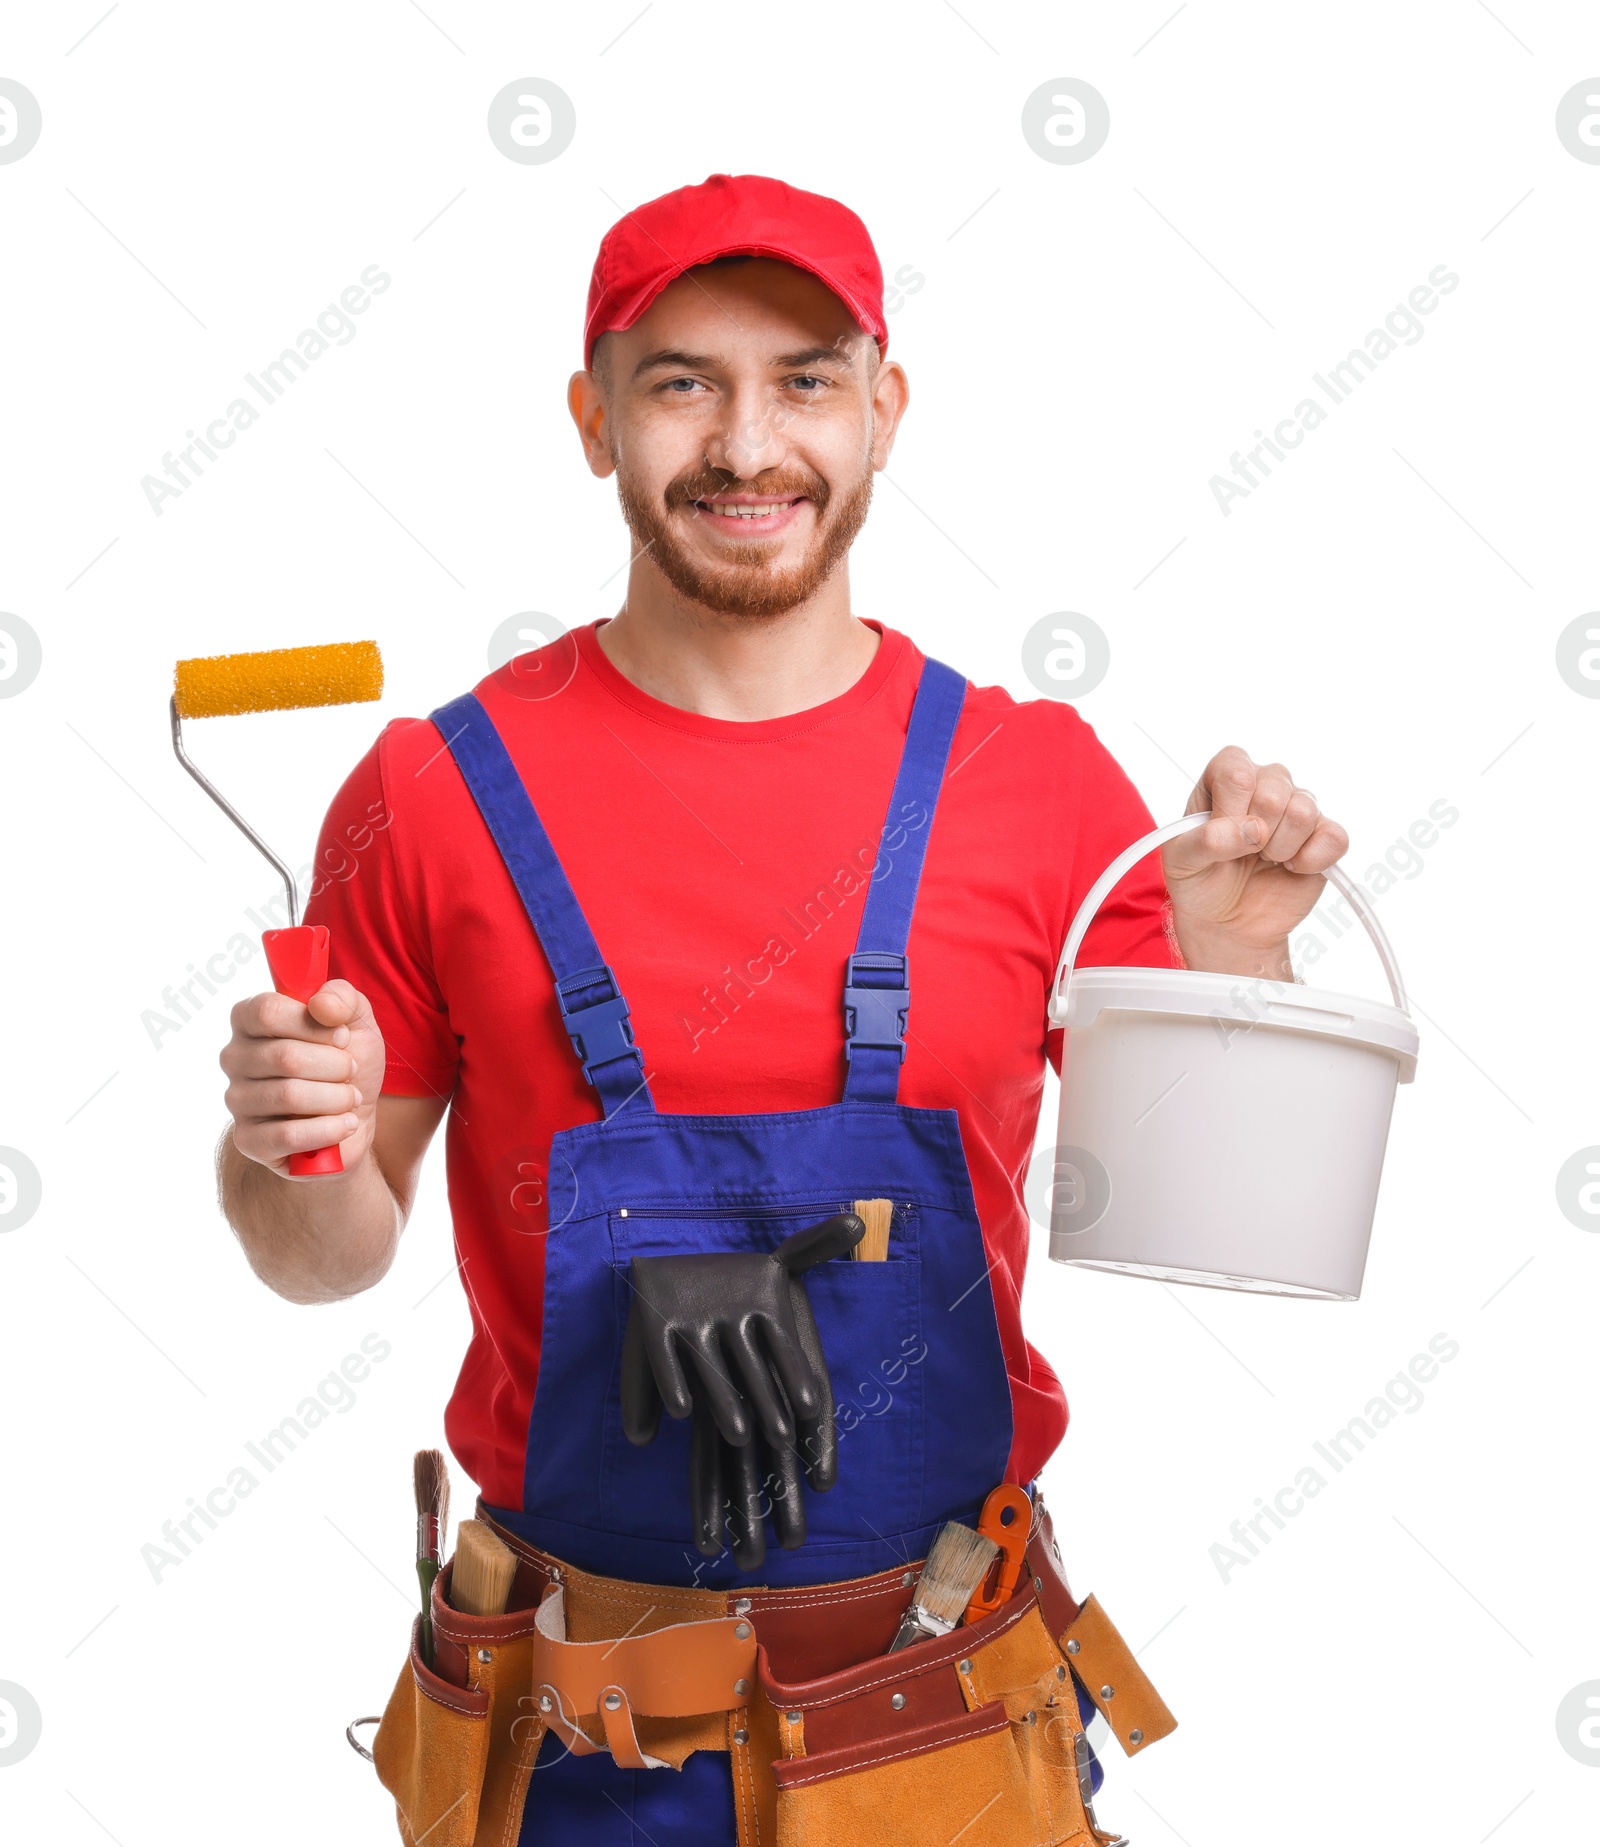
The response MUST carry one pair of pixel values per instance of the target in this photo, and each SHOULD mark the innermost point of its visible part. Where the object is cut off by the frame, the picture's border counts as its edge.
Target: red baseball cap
(732, 215)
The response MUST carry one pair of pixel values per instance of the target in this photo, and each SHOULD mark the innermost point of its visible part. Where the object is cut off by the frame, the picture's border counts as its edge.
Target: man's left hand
(1242, 881)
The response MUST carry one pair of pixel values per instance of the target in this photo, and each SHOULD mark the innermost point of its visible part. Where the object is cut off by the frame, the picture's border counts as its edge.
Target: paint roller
(279, 680)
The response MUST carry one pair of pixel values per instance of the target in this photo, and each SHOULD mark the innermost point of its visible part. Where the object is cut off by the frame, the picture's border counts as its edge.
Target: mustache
(790, 483)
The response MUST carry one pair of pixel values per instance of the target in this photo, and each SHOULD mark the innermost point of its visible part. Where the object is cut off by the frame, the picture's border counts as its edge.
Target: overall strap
(877, 990)
(592, 1006)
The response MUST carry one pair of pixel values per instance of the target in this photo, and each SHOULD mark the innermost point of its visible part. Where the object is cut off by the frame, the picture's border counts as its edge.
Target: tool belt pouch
(456, 1743)
(975, 1736)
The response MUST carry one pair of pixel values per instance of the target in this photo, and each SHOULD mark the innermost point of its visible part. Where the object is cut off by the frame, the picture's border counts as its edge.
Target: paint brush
(483, 1571)
(954, 1569)
(876, 1215)
(430, 1482)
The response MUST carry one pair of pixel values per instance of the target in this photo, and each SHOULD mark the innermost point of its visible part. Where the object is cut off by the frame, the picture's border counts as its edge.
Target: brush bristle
(484, 1570)
(279, 680)
(877, 1215)
(430, 1481)
(955, 1568)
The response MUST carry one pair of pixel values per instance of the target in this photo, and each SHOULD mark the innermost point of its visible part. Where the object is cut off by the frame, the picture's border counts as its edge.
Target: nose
(748, 438)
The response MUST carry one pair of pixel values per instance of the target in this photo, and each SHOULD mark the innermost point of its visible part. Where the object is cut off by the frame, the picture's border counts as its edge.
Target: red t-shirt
(720, 866)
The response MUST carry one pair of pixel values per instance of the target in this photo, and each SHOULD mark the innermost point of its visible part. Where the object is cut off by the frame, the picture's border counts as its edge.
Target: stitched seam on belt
(779, 1600)
(736, 1772)
(464, 1637)
(919, 1750)
(467, 1636)
(675, 1600)
(883, 1679)
(521, 1778)
(1035, 1750)
(470, 1636)
(800, 1598)
(745, 1778)
(439, 1699)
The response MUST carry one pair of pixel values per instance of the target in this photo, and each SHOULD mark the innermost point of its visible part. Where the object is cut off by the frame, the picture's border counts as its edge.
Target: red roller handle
(298, 958)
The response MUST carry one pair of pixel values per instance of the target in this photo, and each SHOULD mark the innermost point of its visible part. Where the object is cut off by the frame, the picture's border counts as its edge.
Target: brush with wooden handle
(279, 680)
(876, 1215)
(482, 1572)
(953, 1570)
(430, 1483)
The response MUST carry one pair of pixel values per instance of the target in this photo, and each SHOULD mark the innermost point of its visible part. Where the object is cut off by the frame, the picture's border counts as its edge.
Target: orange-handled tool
(1007, 1519)
(281, 679)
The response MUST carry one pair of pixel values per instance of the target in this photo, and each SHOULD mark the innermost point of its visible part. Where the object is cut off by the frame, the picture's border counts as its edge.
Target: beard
(748, 583)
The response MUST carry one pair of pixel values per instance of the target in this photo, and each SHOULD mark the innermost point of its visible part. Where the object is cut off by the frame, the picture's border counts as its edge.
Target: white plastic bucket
(1220, 1131)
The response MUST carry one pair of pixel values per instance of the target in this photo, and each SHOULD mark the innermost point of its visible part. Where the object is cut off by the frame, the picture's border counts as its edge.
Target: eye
(810, 381)
(681, 387)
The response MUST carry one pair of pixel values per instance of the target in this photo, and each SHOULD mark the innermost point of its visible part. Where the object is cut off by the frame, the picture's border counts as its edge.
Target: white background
(1087, 347)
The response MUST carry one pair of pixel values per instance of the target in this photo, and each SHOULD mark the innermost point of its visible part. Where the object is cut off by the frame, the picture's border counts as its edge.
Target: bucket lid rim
(1212, 994)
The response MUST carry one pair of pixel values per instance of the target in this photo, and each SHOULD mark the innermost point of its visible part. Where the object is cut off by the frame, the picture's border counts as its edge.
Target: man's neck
(739, 667)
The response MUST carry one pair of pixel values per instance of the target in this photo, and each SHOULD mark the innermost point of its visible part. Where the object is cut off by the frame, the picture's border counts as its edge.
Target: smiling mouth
(751, 512)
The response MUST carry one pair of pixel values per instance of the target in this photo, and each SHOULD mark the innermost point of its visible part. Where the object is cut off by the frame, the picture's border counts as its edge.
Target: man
(605, 922)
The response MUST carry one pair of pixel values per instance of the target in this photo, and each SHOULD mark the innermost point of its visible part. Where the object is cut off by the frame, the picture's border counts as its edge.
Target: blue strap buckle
(877, 998)
(598, 1026)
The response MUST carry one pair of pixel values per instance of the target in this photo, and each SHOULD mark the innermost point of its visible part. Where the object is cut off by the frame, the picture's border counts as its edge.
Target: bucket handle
(1126, 860)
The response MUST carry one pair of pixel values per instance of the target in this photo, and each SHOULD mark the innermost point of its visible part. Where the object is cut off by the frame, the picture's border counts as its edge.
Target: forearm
(310, 1241)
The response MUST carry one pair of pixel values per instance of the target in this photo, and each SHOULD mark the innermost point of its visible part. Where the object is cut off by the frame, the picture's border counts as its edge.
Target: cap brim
(635, 307)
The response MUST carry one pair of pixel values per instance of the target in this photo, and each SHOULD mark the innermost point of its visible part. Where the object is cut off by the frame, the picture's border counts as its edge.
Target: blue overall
(913, 1349)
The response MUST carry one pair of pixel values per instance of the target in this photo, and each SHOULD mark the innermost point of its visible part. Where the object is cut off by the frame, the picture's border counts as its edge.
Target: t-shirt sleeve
(357, 890)
(1133, 927)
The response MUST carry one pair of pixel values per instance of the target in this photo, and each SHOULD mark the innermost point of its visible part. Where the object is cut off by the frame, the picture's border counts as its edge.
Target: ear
(891, 392)
(587, 404)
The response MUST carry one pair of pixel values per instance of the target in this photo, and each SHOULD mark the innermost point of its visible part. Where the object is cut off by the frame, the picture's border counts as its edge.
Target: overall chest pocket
(869, 1321)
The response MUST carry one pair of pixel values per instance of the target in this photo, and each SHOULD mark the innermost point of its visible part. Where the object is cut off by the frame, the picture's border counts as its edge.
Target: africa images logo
(20, 120)
(1402, 326)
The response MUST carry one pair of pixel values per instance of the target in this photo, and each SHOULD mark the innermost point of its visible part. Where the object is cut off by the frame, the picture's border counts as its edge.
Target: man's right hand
(304, 1075)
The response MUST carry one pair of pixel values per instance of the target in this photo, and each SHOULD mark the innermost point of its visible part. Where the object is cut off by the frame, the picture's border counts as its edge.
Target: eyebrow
(675, 359)
(811, 355)
(672, 356)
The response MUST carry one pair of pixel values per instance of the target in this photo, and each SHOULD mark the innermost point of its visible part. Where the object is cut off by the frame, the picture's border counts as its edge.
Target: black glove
(730, 1337)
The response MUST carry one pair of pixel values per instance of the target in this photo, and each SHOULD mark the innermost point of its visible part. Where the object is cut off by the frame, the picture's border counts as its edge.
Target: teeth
(738, 512)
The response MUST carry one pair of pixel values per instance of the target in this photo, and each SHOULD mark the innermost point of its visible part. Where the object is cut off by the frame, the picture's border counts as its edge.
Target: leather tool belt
(833, 1742)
